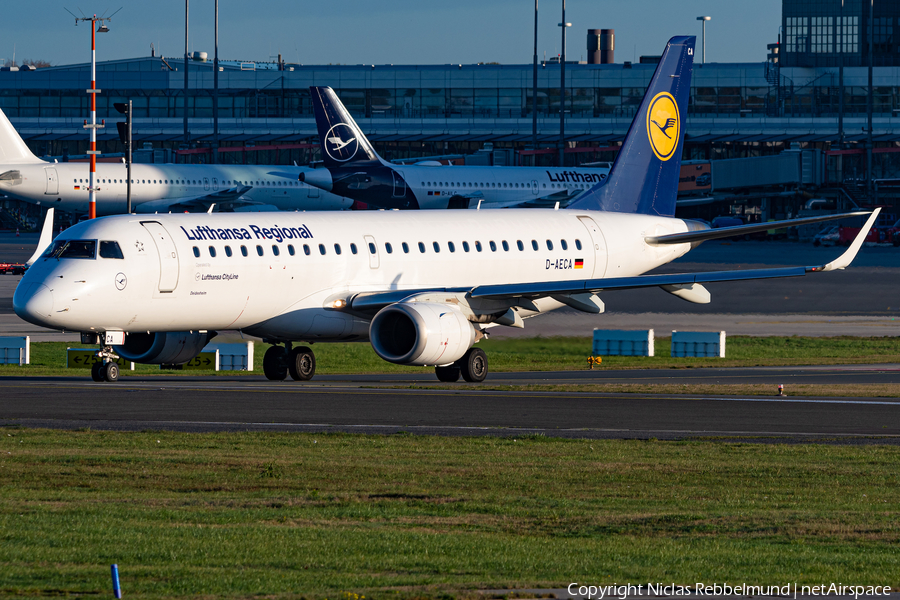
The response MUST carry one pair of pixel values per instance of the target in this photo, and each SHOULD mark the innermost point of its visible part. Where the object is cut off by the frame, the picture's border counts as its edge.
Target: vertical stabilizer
(12, 148)
(644, 176)
(340, 138)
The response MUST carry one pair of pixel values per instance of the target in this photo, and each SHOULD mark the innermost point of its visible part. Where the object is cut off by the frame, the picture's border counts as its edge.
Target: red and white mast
(93, 91)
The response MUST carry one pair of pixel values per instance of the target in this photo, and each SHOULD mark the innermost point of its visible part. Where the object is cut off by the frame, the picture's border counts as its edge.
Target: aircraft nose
(33, 302)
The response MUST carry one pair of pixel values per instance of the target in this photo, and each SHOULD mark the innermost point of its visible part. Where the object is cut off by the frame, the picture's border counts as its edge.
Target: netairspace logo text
(624, 591)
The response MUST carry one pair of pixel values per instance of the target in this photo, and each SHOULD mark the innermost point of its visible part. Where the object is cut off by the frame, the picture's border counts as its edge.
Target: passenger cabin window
(110, 250)
(388, 248)
(322, 249)
(306, 249)
(212, 251)
(452, 246)
(72, 249)
(372, 248)
(549, 245)
(275, 250)
(436, 246)
(421, 247)
(259, 250)
(405, 248)
(243, 250)
(352, 248)
(578, 244)
(196, 252)
(493, 246)
(564, 245)
(228, 251)
(337, 248)
(534, 245)
(465, 246)
(478, 246)
(505, 246)
(520, 245)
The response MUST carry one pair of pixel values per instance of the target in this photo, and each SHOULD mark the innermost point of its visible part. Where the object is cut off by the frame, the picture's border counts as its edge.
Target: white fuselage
(498, 185)
(169, 280)
(65, 186)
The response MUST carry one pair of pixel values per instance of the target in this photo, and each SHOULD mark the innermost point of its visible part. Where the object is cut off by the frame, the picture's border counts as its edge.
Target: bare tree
(37, 64)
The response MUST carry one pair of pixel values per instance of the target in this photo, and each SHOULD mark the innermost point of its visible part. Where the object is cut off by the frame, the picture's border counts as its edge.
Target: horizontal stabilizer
(738, 230)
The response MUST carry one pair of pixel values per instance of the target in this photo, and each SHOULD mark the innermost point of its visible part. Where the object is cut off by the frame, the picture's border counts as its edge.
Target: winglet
(45, 239)
(847, 257)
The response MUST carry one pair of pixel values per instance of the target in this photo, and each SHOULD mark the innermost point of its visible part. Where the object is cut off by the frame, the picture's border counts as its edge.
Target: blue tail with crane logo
(644, 176)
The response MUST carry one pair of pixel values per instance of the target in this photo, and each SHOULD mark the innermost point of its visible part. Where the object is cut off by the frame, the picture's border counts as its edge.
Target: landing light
(339, 304)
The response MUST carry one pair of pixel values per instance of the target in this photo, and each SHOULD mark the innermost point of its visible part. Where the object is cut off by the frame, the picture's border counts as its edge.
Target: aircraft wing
(674, 280)
(576, 292)
(229, 198)
(724, 232)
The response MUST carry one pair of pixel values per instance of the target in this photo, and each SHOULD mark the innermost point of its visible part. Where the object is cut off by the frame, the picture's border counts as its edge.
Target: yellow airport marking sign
(83, 358)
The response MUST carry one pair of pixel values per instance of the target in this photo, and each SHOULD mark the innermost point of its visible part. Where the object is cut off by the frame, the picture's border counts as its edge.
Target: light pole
(704, 20)
(562, 89)
(534, 87)
(93, 126)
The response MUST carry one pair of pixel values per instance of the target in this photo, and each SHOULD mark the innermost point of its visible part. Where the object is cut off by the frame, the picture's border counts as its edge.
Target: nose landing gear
(105, 369)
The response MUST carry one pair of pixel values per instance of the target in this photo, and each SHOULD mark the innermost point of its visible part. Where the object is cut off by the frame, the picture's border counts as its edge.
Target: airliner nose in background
(155, 187)
(423, 287)
(354, 170)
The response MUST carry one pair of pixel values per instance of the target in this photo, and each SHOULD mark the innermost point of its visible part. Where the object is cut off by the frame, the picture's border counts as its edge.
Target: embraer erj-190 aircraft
(354, 170)
(422, 286)
(156, 188)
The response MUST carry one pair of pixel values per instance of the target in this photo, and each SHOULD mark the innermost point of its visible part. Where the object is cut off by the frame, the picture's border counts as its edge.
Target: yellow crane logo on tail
(663, 125)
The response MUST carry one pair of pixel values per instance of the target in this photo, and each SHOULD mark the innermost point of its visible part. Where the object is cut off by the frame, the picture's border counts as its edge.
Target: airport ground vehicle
(15, 269)
(829, 236)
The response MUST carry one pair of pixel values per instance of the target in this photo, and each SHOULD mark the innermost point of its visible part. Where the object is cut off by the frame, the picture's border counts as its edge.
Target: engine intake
(421, 333)
(172, 347)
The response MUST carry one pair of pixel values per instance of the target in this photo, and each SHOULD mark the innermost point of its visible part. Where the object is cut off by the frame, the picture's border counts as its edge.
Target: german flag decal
(579, 263)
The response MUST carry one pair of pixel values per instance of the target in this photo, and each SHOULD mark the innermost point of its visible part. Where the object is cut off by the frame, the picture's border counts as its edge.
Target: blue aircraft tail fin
(341, 140)
(644, 176)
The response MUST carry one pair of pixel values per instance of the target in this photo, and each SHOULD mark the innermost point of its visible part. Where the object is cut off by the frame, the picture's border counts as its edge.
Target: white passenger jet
(155, 188)
(422, 286)
(354, 170)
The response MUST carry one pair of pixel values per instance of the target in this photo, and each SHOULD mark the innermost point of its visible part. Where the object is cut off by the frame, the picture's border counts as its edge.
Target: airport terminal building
(800, 100)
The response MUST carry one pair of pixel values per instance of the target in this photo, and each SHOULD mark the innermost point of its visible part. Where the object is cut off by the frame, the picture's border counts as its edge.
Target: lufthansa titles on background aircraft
(576, 177)
(341, 143)
(279, 234)
(663, 125)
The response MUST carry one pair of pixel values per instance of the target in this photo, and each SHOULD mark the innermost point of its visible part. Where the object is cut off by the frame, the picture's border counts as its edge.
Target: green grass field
(277, 515)
(546, 354)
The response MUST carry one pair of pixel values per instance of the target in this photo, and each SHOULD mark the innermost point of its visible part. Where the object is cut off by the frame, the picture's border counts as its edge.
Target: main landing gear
(299, 362)
(473, 367)
(106, 368)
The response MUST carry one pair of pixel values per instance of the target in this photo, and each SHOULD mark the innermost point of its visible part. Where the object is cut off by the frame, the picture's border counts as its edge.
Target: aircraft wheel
(474, 365)
(302, 364)
(447, 374)
(97, 373)
(111, 371)
(274, 365)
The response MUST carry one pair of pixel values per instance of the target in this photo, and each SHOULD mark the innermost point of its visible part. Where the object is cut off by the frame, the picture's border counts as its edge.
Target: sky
(392, 32)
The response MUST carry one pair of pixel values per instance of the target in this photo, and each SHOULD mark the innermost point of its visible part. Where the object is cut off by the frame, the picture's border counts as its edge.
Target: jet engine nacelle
(421, 333)
(171, 348)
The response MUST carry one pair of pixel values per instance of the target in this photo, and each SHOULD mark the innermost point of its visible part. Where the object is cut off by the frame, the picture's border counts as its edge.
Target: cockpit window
(72, 249)
(110, 250)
